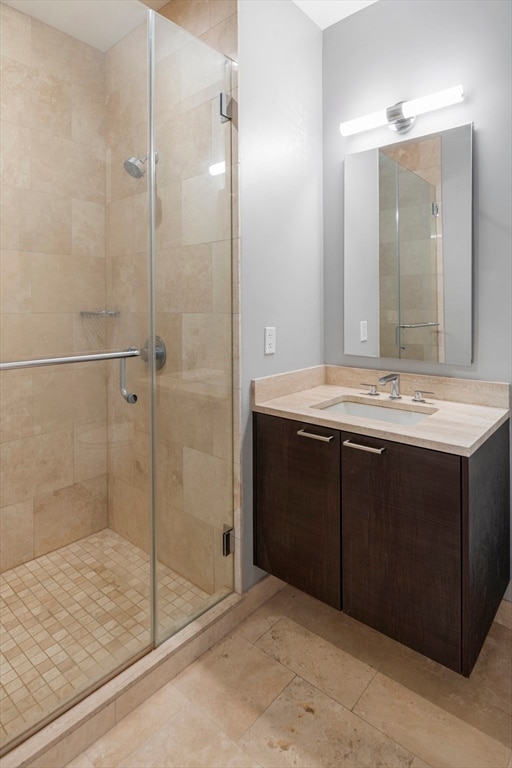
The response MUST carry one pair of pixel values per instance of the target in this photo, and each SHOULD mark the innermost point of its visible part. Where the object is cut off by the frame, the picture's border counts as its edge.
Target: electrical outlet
(270, 340)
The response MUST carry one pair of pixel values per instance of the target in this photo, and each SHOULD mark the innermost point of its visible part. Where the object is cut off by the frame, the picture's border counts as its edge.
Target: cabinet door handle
(363, 447)
(301, 433)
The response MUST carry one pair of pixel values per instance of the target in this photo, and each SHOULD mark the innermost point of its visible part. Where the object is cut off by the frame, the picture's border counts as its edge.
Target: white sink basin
(390, 413)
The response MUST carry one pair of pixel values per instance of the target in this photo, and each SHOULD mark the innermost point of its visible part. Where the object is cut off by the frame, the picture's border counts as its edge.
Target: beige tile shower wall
(424, 158)
(216, 23)
(193, 314)
(127, 285)
(193, 279)
(52, 266)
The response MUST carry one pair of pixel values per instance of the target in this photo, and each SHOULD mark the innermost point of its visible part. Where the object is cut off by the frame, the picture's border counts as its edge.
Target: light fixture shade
(433, 101)
(400, 117)
(360, 124)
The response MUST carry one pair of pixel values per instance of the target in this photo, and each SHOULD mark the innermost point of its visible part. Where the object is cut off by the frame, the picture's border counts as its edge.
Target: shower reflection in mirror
(408, 249)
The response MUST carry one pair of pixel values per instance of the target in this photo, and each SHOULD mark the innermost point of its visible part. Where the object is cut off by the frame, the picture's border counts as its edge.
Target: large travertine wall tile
(14, 154)
(130, 281)
(45, 221)
(83, 506)
(15, 283)
(53, 406)
(66, 167)
(129, 512)
(41, 335)
(186, 138)
(15, 34)
(16, 534)
(207, 19)
(37, 464)
(90, 450)
(87, 228)
(224, 36)
(206, 342)
(88, 115)
(167, 88)
(89, 387)
(223, 284)
(169, 327)
(192, 15)
(184, 279)
(35, 99)
(124, 59)
(206, 209)
(64, 284)
(57, 53)
(201, 473)
(16, 406)
(187, 545)
(223, 423)
(10, 219)
(52, 90)
(127, 228)
(185, 419)
(221, 10)
(168, 216)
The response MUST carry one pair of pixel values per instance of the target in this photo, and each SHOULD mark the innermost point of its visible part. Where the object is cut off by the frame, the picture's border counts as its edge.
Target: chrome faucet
(394, 380)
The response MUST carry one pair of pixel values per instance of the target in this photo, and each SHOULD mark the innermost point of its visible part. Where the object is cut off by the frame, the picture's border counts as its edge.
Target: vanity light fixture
(402, 116)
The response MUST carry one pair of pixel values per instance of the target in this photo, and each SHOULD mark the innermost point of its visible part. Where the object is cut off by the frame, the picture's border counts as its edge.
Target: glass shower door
(74, 491)
(418, 267)
(116, 473)
(410, 276)
(193, 298)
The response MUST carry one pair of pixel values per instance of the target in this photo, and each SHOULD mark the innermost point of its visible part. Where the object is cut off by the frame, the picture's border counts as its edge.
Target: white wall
(390, 51)
(395, 50)
(280, 146)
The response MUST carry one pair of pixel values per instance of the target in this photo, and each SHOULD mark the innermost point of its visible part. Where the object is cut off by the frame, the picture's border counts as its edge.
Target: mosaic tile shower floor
(70, 617)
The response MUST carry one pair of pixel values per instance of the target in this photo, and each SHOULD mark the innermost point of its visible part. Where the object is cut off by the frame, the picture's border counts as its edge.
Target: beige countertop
(452, 427)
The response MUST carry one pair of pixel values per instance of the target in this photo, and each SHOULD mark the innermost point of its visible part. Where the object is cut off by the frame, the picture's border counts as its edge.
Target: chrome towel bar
(131, 352)
(121, 356)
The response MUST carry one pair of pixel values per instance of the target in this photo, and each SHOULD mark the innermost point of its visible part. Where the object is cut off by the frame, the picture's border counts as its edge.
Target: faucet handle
(373, 389)
(418, 395)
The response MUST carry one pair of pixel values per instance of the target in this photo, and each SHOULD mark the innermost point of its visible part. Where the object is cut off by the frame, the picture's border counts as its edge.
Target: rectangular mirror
(408, 249)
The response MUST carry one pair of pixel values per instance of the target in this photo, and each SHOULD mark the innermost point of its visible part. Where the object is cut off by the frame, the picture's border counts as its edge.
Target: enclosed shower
(116, 485)
(411, 292)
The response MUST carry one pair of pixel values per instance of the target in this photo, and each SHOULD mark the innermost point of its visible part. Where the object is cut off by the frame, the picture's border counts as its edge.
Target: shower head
(135, 166)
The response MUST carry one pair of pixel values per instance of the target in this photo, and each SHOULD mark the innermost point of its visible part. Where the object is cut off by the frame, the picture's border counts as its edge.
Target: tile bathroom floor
(300, 684)
(72, 616)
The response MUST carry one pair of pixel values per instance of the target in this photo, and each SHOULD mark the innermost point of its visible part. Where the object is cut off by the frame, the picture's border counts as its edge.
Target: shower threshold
(73, 617)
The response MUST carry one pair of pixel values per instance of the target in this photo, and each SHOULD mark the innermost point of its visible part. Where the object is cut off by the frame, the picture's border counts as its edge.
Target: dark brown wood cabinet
(423, 534)
(297, 505)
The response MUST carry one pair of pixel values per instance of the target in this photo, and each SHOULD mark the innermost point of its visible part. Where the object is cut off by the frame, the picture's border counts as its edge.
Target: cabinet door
(402, 544)
(297, 505)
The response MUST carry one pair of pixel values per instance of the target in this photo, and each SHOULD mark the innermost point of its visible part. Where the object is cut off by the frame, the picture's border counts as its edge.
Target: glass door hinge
(228, 540)
(435, 209)
(226, 112)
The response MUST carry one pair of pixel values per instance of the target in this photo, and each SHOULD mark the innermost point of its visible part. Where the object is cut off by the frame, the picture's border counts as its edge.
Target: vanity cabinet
(402, 543)
(423, 534)
(297, 505)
